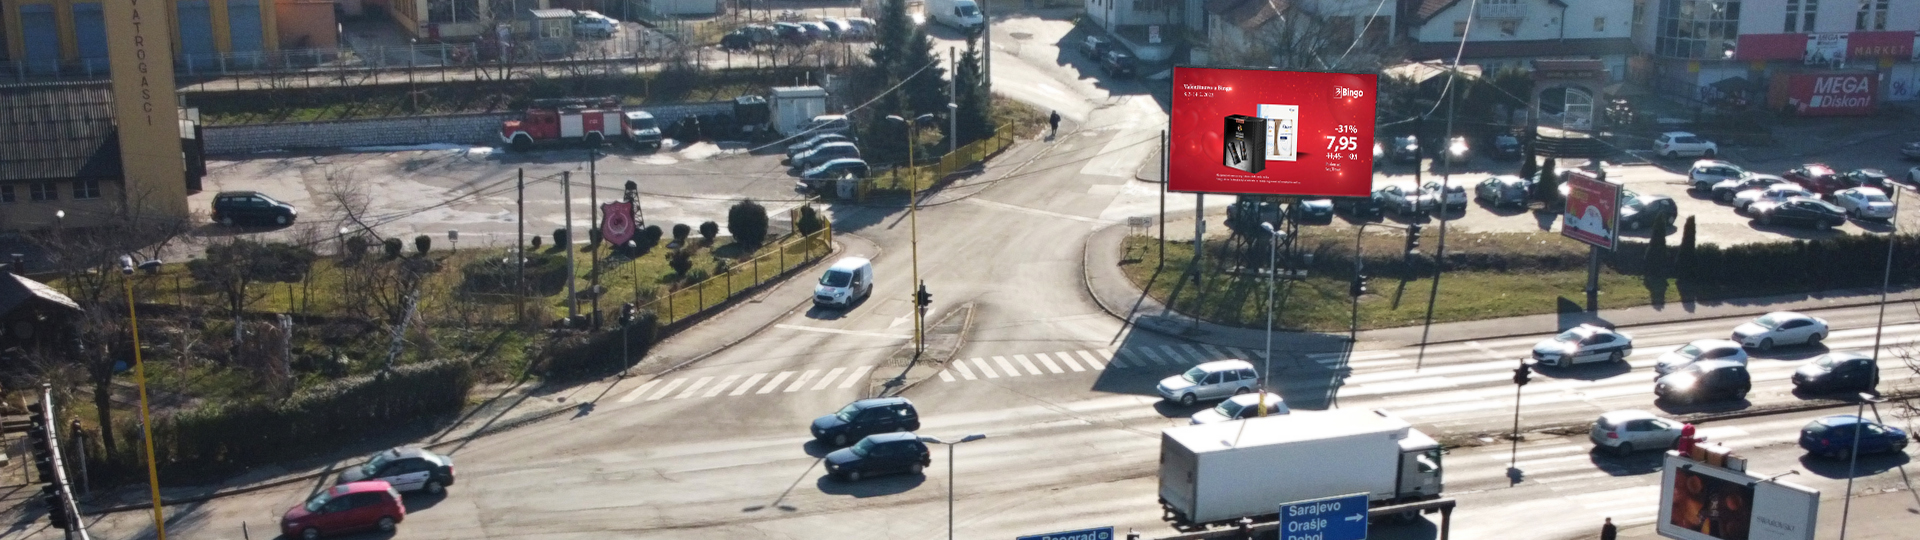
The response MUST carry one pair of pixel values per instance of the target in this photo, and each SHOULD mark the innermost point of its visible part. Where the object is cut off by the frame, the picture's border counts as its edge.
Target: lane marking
(1107, 355)
(775, 383)
(1024, 362)
(824, 381)
(635, 394)
(748, 385)
(1034, 211)
(946, 375)
(856, 376)
(1216, 353)
(842, 332)
(720, 387)
(984, 368)
(1049, 363)
(964, 372)
(1155, 357)
(695, 388)
(802, 380)
(1068, 359)
(1091, 361)
(1007, 366)
(1198, 357)
(664, 390)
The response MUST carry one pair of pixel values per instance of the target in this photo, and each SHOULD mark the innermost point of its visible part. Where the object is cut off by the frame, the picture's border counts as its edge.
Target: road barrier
(742, 277)
(922, 177)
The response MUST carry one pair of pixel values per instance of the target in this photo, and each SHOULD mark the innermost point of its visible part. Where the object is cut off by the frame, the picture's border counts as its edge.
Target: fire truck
(577, 120)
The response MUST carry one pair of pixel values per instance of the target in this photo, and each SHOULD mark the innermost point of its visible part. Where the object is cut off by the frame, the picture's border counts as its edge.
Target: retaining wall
(481, 129)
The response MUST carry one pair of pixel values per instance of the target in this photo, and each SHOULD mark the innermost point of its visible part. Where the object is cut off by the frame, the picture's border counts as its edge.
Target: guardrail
(742, 277)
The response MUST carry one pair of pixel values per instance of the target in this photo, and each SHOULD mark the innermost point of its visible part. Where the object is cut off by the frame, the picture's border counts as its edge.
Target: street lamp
(1272, 247)
(1859, 415)
(937, 440)
(140, 375)
(913, 226)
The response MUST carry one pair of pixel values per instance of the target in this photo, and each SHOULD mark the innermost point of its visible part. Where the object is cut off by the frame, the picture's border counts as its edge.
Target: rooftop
(58, 131)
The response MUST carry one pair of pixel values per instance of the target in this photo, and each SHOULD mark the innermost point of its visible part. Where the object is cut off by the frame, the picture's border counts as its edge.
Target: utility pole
(986, 49)
(593, 221)
(566, 192)
(953, 105)
(520, 247)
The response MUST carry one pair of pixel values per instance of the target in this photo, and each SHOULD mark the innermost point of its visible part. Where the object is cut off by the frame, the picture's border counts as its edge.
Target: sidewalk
(1120, 298)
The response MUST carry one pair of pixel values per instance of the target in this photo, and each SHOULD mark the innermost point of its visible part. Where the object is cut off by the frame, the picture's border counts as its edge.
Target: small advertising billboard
(1704, 502)
(1265, 132)
(1593, 210)
(1836, 93)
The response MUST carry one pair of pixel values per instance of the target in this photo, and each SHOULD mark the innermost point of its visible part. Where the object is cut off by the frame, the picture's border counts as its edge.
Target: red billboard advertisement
(1266, 132)
(1826, 94)
(1593, 210)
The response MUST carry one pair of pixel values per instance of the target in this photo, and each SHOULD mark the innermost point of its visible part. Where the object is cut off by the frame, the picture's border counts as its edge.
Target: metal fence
(921, 177)
(741, 276)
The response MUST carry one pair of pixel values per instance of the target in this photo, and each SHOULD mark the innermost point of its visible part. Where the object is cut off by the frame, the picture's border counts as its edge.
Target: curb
(966, 327)
(837, 248)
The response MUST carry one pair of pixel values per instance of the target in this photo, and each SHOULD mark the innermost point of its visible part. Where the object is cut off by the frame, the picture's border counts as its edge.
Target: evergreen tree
(1657, 255)
(974, 95)
(927, 91)
(1547, 190)
(1531, 168)
(900, 50)
(1685, 261)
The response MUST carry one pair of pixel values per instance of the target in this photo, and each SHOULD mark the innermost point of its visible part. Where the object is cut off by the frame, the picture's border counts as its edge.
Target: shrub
(545, 272)
(600, 353)
(536, 242)
(393, 247)
(810, 221)
(708, 231)
(422, 243)
(649, 237)
(356, 247)
(680, 232)
(747, 221)
(593, 237)
(680, 261)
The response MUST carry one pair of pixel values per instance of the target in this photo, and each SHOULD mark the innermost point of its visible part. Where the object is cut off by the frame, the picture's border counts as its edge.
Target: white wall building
(1510, 33)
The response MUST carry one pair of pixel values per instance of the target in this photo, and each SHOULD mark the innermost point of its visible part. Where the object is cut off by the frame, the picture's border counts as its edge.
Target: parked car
(1674, 144)
(1725, 190)
(1405, 149)
(1504, 190)
(1094, 46)
(737, 40)
(1219, 379)
(1118, 63)
(1807, 211)
(859, 28)
(1505, 147)
(879, 454)
(1401, 199)
(1582, 344)
(1642, 211)
(1697, 351)
(591, 24)
(1779, 328)
(1776, 192)
(824, 153)
(1707, 172)
(1834, 437)
(828, 123)
(1704, 381)
(1838, 371)
(1864, 203)
(1817, 178)
(834, 169)
(1911, 150)
(866, 417)
(1240, 407)
(792, 33)
(1313, 211)
(345, 508)
(1442, 196)
(406, 469)
(817, 31)
(1363, 208)
(643, 130)
(1624, 432)
(1459, 150)
(1873, 178)
(240, 207)
(802, 147)
(838, 27)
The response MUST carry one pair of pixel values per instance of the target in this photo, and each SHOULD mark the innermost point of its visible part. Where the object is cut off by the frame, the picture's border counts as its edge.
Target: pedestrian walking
(1054, 121)
(1608, 531)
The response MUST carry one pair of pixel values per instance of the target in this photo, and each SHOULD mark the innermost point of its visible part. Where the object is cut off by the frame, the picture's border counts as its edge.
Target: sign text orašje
(1332, 518)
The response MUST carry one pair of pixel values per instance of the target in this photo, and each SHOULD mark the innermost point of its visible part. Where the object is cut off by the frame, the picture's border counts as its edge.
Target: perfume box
(1245, 143)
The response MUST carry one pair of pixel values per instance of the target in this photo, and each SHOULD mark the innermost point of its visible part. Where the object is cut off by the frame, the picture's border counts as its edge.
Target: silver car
(1780, 327)
(1697, 351)
(1213, 380)
(1582, 344)
(1773, 193)
(1707, 172)
(1864, 203)
(1241, 407)
(1626, 431)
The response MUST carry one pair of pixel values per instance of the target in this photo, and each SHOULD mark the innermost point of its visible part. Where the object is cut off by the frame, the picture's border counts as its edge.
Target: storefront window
(1699, 29)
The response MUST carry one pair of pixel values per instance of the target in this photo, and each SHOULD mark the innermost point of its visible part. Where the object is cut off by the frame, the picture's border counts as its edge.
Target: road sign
(1332, 518)
(1101, 533)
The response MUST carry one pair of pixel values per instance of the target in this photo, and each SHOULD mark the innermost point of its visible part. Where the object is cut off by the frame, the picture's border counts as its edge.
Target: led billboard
(1263, 132)
(1593, 210)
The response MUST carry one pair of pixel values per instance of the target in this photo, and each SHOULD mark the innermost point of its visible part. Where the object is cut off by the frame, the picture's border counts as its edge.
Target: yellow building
(51, 34)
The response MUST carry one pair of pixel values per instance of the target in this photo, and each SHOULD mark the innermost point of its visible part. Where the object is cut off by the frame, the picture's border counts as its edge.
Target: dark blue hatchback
(879, 454)
(1832, 436)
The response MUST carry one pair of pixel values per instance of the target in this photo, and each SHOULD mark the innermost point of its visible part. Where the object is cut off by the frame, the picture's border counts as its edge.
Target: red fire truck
(589, 120)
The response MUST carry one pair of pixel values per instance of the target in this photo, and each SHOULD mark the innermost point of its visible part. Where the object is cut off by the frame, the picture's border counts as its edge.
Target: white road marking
(720, 387)
(1215, 352)
(856, 376)
(635, 394)
(664, 390)
(946, 375)
(984, 368)
(1068, 359)
(842, 332)
(964, 372)
(824, 381)
(1155, 357)
(748, 385)
(775, 383)
(994, 204)
(1198, 357)
(1091, 361)
(695, 388)
(1024, 362)
(1006, 366)
(802, 381)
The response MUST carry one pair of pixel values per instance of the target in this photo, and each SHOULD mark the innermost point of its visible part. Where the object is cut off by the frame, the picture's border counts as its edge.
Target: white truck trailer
(795, 106)
(1218, 473)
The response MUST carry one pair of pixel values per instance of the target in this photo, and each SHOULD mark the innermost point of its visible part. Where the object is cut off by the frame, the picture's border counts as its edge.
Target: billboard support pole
(1164, 148)
(1593, 279)
(1199, 263)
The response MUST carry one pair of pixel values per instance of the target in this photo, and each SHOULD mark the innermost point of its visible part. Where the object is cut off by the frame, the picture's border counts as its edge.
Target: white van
(848, 280)
(960, 14)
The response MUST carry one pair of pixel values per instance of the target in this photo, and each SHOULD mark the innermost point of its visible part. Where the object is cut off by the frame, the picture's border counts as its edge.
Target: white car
(1864, 203)
(1241, 407)
(1447, 197)
(1707, 172)
(1626, 431)
(1697, 351)
(1219, 379)
(1674, 144)
(1403, 199)
(1780, 327)
(1913, 176)
(593, 24)
(1582, 344)
(1773, 193)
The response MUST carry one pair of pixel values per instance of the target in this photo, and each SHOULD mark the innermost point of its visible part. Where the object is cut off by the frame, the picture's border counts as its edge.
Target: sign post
(1332, 518)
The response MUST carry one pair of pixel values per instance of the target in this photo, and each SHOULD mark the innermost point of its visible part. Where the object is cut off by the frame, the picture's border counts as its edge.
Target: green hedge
(599, 353)
(546, 274)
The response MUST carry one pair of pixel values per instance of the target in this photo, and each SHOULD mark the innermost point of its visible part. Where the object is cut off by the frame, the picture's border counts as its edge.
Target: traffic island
(904, 369)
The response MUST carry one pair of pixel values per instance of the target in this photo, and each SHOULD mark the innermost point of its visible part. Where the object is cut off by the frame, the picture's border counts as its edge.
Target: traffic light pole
(1521, 375)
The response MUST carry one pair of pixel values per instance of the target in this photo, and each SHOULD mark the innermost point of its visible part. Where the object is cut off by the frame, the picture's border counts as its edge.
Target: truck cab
(1419, 467)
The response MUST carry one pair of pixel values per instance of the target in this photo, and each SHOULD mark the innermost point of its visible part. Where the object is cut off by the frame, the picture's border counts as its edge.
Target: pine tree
(974, 96)
(927, 91)
(1548, 188)
(1685, 260)
(900, 50)
(1657, 256)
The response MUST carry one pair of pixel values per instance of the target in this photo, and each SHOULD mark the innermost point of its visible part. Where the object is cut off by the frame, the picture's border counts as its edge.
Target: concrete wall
(477, 129)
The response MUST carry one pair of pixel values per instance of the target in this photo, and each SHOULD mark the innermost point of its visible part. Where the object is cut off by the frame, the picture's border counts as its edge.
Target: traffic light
(1413, 238)
(1522, 374)
(626, 314)
(56, 507)
(1359, 287)
(39, 443)
(922, 298)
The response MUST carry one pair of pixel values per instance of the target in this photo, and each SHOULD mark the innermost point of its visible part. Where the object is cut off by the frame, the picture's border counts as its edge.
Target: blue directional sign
(1332, 518)
(1102, 533)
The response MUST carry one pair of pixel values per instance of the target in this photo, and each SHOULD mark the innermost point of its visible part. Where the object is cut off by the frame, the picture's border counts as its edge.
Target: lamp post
(1273, 245)
(140, 375)
(913, 226)
(937, 440)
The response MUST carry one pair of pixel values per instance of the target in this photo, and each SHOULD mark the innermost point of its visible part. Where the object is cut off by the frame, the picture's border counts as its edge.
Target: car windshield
(1768, 322)
(1194, 375)
(1229, 409)
(846, 413)
(1689, 351)
(864, 447)
(374, 464)
(1569, 336)
(644, 123)
(836, 278)
(1826, 362)
(968, 11)
(319, 501)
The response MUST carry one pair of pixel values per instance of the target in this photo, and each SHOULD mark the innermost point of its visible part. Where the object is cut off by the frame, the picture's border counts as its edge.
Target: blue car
(1832, 437)
(879, 454)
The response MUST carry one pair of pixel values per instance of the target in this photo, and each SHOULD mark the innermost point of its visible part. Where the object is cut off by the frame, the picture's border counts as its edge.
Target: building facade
(64, 164)
(1512, 33)
(1713, 50)
(69, 36)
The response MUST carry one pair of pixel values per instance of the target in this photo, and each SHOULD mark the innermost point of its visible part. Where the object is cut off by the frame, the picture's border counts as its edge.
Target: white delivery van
(848, 280)
(960, 14)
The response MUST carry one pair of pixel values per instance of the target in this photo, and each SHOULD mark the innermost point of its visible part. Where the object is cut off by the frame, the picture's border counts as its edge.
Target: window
(1599, 24)
(43, 191)
(1699, 29)
(1872, 16)
(1801, 12)
(1459, 28)
(1509, 27)
(86, 189)
(6, 194)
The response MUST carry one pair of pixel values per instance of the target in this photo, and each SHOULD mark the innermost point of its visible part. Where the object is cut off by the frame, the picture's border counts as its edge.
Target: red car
(1817, 178)
(351, 507)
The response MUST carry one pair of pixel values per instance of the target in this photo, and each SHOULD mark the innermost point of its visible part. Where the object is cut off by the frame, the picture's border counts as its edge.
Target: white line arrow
(1356, 517)
(897, 321)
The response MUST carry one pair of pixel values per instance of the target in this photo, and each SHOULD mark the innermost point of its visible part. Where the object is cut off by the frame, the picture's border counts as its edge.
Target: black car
(792, 33)
(1643, 211)
(1505, 190)
(1873, 178)
(866, 417)
(879, 454)
(1838, 371)
(237, 207)
(1798, 210)
(835, 169)
(1505, 147)
(737, 40)
(1365, 208)
(824, 153)
(1404, 149)
(1313, 211)
(1117, 63)
(1702, 381)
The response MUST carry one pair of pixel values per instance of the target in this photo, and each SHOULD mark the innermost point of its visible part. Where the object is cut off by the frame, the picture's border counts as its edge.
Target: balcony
(1502, 10)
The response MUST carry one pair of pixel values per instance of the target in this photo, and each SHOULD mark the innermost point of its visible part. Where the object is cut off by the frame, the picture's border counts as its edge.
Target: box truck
(963, 15)
(1218, 473)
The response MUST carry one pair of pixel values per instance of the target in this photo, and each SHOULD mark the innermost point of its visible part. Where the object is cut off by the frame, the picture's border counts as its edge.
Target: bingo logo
(1344, 92)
